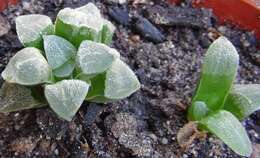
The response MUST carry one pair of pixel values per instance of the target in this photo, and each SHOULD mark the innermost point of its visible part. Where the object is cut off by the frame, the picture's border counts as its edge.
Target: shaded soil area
(164, 46)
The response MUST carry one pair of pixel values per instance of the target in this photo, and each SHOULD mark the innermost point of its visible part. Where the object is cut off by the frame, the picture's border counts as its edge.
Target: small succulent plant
(65, 63)
(218, 105)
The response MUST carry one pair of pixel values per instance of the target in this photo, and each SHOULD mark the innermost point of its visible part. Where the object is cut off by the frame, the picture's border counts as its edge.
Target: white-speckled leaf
(243, 100)
(30, 29)
(218, 73)
(79, 18)
(93, 57)
(228, 128)
(15, 97)
(58, 50)
(120, 81)
(65, 97)
(27, 67)
(65, 70)
(91, 9)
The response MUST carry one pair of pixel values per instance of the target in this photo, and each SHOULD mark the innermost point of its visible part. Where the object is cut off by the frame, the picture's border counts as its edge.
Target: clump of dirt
(145, 124)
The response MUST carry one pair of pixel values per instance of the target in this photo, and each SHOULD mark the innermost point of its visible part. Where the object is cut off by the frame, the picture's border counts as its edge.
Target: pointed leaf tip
(218, 73)
(27, 67)
(30, 29)
(65, 97)
(120, 81)
(94, 58)
(228, 128)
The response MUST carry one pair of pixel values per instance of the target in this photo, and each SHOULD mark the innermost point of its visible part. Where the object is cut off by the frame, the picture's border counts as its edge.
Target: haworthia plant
(64, 66)
(218, 105)
(84, 23)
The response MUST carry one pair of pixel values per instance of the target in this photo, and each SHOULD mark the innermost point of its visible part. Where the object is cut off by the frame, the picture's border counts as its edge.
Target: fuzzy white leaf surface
(93, 57)
(58, 50)
(27, 67)
(120, 81)
(65, 97)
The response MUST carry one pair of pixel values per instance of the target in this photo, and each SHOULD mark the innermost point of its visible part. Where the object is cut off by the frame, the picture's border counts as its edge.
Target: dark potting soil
(165, 47)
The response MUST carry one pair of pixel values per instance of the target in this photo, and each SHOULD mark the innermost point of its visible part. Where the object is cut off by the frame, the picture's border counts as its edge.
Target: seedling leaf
(58, 51)
(94, 58)
(218, 72)
(120, 81)
(228, 128)
(27, 67)
(65, 97)
(14, 97)
(198, 111)
(30, 29)
(243, 100)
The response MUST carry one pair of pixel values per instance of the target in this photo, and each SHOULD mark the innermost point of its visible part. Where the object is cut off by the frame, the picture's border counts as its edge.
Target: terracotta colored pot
(5, 3)
(244, 13)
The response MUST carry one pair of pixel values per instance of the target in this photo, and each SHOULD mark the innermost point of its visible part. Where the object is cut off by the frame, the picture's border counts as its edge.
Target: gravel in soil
(145, 124)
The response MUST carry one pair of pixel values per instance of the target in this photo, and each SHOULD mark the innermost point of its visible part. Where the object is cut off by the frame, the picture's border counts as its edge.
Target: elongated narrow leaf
(107, 32)
(120, 81)
(65, 70)
(228, 128)
(65, 97)
(95, 58)
(58, 51)
(30, 29)
(243, 100)
(218, 72)
(14, 97)
(27, 67)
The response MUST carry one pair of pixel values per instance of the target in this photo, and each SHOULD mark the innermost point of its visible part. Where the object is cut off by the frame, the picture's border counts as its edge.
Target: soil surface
(164, 46)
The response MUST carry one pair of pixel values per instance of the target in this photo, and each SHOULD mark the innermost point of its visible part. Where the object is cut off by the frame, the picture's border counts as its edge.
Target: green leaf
(120, 81)
(218, 72)
(27, 67)
(30, 29)
(107, 33)
(227, 127)
(65, 97)
(199, 110)
(65, 70)
(94, 58)
(14, 97)
(243, 100)
(76, 26)
(58, 51)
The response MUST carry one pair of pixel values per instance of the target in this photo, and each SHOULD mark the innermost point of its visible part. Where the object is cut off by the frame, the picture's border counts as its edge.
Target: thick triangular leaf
(218, 72)
(91, 9)
(65, 97)
(58, 51)
(228, 128)
(120, 81)
(14, 97)
(76, 26)
(243, 100)
(27, 67)
(65, 70)
(95, 58)
(30, 29)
